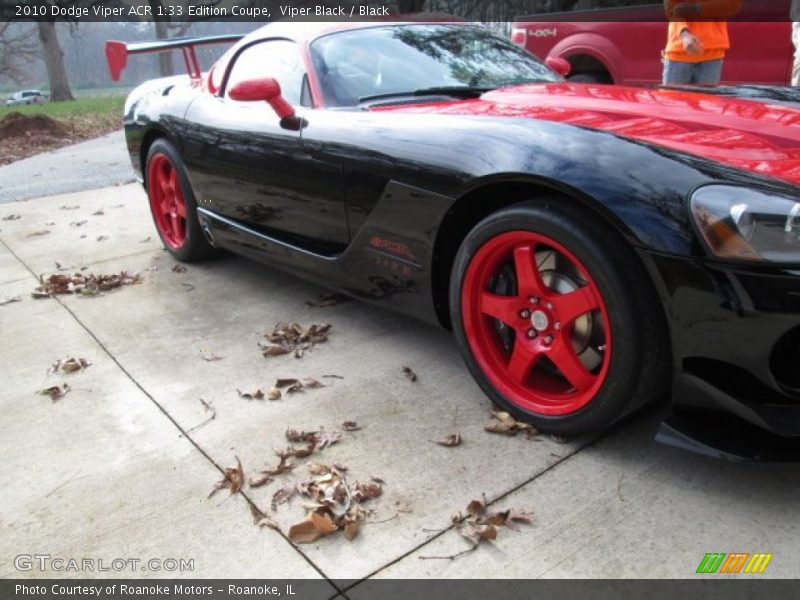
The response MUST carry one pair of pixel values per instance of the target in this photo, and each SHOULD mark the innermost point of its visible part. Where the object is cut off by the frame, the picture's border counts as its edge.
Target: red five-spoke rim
(166, 200)
(524, 338)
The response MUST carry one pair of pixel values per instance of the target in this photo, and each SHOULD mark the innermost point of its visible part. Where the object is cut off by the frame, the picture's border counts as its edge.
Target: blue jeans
(708, 72)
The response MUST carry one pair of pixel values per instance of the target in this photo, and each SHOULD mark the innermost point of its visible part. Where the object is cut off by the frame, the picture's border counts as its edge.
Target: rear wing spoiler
(117, 52)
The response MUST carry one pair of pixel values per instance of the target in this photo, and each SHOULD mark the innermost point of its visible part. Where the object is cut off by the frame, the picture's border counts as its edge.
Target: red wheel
(166, 200)
(546, 346)
(556, 317)
(173, 204)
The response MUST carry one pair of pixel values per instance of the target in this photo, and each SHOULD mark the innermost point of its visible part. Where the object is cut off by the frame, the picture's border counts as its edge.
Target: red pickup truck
(623, 45)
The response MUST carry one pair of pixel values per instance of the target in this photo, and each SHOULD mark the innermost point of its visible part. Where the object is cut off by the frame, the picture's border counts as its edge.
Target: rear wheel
(173, 205)
(555, 318)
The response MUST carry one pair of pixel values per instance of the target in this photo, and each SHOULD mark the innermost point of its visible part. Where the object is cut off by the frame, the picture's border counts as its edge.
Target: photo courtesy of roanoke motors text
(407, 298)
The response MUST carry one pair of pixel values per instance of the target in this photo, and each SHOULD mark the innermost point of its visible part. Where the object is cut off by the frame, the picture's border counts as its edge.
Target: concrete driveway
(120, 468)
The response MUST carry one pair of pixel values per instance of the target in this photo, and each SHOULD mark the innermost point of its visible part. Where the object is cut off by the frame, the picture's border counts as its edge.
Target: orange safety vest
(713, 34)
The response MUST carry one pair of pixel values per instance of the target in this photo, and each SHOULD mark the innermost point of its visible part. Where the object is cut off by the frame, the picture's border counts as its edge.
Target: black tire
(588, 78)
(195, 247)
(639, 368)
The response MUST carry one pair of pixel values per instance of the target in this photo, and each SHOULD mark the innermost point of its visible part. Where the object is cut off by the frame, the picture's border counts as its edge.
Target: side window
(277, 58)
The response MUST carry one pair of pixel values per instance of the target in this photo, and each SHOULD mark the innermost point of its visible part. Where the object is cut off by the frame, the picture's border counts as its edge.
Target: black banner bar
(708, 587)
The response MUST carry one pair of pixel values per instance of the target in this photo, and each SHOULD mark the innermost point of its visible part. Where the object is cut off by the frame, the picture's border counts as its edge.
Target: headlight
(747, 224)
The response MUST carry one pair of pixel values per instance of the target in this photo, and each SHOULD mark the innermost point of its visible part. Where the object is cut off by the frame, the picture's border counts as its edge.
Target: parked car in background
(623, 45)
(27, 97)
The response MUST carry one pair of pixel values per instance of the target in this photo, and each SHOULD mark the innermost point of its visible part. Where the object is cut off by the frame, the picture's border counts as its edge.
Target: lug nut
(525, 314)
(531, 333)
(557, 326)
(549, 306)
(534, 300)
(548, 340)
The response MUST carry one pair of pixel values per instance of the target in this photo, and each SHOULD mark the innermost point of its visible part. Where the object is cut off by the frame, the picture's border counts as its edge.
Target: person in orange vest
(696, 49)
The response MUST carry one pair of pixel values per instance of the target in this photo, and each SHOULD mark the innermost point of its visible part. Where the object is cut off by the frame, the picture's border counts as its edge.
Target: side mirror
(266, 89)
(559, 65)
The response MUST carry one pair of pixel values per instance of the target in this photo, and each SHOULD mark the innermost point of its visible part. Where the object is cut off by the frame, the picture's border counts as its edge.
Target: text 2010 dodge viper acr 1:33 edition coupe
(592, 247)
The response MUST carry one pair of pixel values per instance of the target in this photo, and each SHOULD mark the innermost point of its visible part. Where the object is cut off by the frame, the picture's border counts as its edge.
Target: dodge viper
(593, 248)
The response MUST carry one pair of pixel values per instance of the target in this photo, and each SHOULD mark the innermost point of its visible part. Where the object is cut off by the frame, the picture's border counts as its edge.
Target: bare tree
(166, 29)
(405, 7)
(53, 58)
(18, 48)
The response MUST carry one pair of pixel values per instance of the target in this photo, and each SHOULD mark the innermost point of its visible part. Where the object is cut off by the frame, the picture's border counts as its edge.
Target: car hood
(753, 135)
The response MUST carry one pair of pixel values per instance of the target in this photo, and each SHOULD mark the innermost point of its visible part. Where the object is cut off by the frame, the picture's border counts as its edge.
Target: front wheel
(556, 319)
(173, 205)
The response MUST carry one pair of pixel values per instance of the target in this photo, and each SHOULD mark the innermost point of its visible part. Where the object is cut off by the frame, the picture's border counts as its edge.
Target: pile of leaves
(505, 423)
(327, 299)
(288, 385)
(286, 338)
(87, 284)
(334, 504)
(479, 524)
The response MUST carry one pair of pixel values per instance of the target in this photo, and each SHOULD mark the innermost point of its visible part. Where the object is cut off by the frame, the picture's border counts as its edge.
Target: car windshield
(419, 59)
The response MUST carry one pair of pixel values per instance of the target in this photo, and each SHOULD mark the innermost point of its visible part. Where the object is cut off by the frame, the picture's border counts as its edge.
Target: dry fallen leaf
(12, 217)
(179, 268)
(70, 365)
(233, 479)
(257, 395)
(274, 394)
(56, 392)
(479, 525)
(409, 373)
(451, 441)
(505, 423)
(79, 223)
(262, 479)
(328, 438)
(351, 529)
(98, 213)
(38, 233)
(329, 299)
(102, 238)
(310, 529)
(212, 358)
(351, 426)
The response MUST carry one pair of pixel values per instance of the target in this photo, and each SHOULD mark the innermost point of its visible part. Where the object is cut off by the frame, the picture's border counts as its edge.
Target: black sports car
(593, 248)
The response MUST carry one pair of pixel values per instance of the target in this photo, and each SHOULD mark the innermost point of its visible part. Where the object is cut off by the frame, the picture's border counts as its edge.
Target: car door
(245, 166)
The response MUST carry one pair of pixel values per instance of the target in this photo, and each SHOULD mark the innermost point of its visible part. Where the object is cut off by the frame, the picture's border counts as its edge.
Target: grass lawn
(81, 119)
